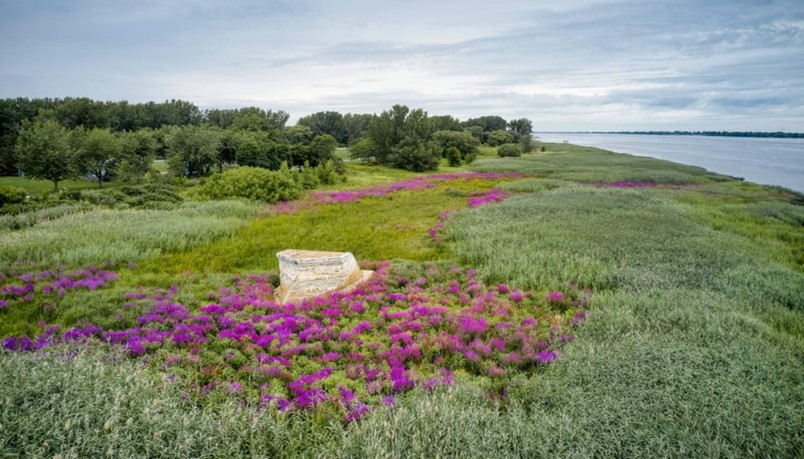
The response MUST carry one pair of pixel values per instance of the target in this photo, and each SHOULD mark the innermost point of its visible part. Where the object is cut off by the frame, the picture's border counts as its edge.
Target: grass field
(693, 345)
(34, 186)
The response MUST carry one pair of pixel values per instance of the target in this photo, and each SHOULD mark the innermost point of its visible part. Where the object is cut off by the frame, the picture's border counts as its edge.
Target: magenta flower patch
(343, 353)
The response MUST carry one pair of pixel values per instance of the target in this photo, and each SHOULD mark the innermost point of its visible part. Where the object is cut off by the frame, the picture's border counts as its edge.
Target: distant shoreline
(775, 135)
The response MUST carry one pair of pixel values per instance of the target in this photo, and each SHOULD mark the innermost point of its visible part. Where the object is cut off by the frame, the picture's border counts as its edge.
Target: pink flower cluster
(485, 197)
(409, 326)
(318, 198)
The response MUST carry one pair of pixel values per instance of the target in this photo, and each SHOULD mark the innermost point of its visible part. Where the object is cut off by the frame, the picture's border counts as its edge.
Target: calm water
(767, 161)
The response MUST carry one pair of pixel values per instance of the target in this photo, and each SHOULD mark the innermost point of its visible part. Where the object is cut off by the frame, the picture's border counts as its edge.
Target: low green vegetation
(120, 236)
(692, 345)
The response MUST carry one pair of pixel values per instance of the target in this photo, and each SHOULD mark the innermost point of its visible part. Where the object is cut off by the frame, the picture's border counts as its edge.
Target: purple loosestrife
(397, 332)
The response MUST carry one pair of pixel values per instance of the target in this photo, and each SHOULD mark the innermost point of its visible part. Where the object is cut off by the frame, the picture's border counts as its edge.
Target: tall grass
(80, 405)
(586, 164)
(122, 235)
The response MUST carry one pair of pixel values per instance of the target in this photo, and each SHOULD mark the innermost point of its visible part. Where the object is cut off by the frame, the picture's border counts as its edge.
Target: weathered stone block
(307, 273)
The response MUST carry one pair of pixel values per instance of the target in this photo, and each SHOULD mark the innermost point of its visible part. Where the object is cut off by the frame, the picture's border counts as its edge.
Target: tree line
(59, 139)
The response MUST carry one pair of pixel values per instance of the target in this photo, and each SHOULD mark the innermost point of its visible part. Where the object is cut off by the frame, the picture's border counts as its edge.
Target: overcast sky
(566, 65)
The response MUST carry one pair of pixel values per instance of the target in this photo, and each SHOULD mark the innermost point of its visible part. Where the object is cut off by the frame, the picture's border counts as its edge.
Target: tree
(83, 112)
(326, 123)
(445, 123)
(356, 125)
(298, 134)
(138, 150)
(487, 123)
(193, 150)
(322, 148)
(401, 137)
(520, 127)
(230, 144)
(499, 137)
(385, 131)
(44, 152)
(362, 149)
(98, 152)
(464, 142)
(415, 155)
(477, 132)
(526, 143)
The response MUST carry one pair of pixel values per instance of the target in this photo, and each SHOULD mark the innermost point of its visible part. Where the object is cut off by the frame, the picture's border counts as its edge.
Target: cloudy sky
(567, 65)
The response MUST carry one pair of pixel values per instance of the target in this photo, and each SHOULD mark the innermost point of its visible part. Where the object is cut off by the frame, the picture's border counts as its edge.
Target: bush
(11, 195)
(415, 156)
(70, 195)
(328, 173)
(251, 183)
(509, 149)
(453, 155)
(465, 142)
(309, 177)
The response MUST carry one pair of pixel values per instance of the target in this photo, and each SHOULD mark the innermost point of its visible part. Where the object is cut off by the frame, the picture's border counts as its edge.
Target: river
(761, 160)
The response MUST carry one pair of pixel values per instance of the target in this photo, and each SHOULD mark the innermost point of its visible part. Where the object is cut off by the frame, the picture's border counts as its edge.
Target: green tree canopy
(520, 127)
(298, 134)
(138, 150)
(464, 142)
(356, 125)
(326, 123)
(499, 137)
(98, 152)
(44, 152)
(401, 137)
(445, 123)
(487, 123)
(322, 148)
(193, 150)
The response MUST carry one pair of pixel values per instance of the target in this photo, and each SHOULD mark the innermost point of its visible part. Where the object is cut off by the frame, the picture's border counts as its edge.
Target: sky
(569, 65)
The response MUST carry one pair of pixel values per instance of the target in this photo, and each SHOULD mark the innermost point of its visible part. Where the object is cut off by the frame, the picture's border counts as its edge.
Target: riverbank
(769, 161)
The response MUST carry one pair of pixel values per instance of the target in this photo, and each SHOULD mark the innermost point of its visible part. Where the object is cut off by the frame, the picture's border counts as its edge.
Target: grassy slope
(694, 348)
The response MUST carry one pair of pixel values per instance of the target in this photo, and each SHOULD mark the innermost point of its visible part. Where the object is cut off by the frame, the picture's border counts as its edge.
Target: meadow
(567, 303)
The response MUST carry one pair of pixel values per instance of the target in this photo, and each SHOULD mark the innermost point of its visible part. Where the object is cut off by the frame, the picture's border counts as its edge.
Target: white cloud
(584, 65)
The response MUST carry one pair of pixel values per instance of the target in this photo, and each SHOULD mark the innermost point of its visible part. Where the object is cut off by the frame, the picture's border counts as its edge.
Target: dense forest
(59, 139)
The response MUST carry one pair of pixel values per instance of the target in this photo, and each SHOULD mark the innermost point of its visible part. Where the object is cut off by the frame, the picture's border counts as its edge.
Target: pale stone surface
(307, 273)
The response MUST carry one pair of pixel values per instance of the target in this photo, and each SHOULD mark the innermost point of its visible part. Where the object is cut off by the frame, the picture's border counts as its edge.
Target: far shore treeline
(779, 135)
(60, 139)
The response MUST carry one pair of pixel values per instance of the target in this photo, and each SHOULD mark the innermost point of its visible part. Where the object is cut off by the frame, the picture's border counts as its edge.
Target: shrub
(252, 183)
(453, 155)
(327, 173)
(309, 177)
(509, 149)
(465, 142)
(500, 137)
(11, 195)
(414, 155)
